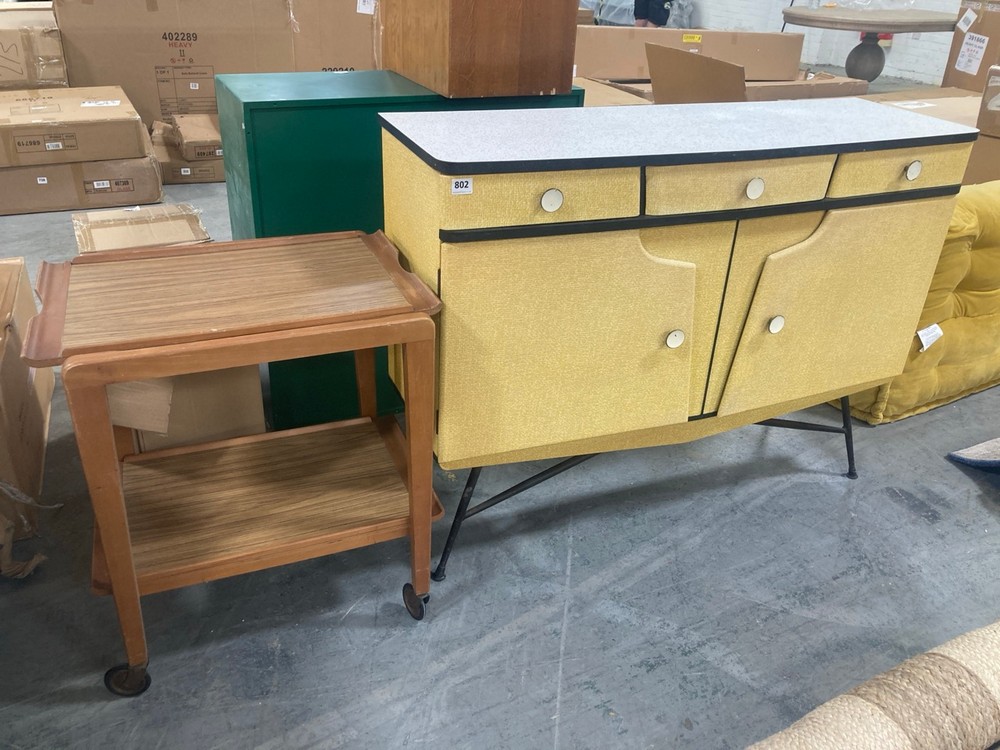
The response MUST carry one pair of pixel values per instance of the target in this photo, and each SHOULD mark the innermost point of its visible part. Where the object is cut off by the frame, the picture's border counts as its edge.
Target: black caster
(127, 681)
(414, 604)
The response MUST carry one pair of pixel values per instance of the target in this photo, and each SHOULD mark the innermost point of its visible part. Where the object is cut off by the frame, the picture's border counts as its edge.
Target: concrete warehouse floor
(696, 596)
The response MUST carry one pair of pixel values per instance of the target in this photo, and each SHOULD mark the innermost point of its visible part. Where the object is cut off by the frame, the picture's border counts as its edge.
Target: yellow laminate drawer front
(690, 188)
(873, 172)
(514, 199)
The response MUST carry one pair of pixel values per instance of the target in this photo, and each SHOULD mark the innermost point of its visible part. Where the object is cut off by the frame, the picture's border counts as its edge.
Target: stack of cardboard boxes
(73, 148)
(189, 149)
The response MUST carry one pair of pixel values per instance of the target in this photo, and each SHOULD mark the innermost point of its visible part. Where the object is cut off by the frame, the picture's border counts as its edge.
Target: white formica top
(538, 139)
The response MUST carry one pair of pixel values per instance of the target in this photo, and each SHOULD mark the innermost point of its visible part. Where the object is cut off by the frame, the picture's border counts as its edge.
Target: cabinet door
(552, 339)
(838, 310)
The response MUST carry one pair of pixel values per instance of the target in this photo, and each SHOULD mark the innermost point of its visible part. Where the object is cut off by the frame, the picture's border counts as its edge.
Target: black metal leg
(464, 511)
(456, 524)
(845, 411)
(845, 429)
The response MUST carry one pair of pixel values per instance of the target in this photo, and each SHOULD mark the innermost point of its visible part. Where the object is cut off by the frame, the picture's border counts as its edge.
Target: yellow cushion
(964, 299)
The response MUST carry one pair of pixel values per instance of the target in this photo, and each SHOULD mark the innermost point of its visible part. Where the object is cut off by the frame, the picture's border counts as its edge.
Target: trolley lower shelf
(234, 506)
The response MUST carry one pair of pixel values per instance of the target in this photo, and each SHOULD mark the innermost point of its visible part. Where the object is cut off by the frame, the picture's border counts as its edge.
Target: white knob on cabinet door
(913, 170)
(775, 324)
(675, 339)
(552, 200)
(755, 188)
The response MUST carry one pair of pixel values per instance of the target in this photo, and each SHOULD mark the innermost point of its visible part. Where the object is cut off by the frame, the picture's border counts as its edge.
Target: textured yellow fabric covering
(510, 341)
(868, 172)
(691, 188)
(755, 240)
(964, 299)
(554, 346)
(839, 329)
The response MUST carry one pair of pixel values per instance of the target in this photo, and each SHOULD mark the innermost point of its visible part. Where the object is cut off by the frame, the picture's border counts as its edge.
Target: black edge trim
(455, 169)
(525, 231)
(698, 417)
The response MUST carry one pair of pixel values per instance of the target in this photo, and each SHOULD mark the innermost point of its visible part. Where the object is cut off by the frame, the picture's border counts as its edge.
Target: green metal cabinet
(303, 154)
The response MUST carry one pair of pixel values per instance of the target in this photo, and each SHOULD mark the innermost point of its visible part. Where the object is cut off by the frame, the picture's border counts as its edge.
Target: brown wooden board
(475, 48)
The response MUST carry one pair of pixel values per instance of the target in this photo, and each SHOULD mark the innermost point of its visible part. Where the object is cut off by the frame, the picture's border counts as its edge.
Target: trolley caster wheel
(127, 681)
(414, 604)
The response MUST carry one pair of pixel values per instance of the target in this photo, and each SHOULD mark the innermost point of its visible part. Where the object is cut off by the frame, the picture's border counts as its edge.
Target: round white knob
(552, 200)
(675, 339)
(913, 170)
(755, 188)
(776, 324)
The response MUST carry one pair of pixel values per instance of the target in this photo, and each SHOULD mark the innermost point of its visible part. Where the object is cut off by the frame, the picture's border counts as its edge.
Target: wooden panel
(552, 339)
(691, 188)
(254, 502)
(849, 313)
(869, 172)
(477, 48)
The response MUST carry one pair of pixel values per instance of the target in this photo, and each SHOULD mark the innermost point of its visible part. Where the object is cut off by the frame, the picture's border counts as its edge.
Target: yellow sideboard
(622, 277)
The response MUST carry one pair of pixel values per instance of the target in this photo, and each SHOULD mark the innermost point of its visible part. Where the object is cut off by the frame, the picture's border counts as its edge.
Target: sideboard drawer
(890, 171)
(514, 199)
(690, 188)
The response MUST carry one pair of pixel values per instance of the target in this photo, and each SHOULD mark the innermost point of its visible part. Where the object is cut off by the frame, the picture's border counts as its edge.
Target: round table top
(885, 21)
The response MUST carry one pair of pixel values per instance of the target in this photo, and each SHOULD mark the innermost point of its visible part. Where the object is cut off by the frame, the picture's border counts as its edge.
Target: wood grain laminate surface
(145, 297)
(253, 500)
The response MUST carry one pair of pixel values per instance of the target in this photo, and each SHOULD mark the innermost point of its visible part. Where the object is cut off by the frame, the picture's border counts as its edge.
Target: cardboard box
(146, 226)
(619, 53)
(585, 16)
(30, 47)
(86, 185)
(920, 93)
(57, 126)
(165, 54)
(210, 406)
(975, 45)
(177, 170)
(463, 49)
(963, 110)
(679, 77)
(25, 400)
(188, 409)
(601, 94)
(984, 161)
(197, 137)
(989, 112)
